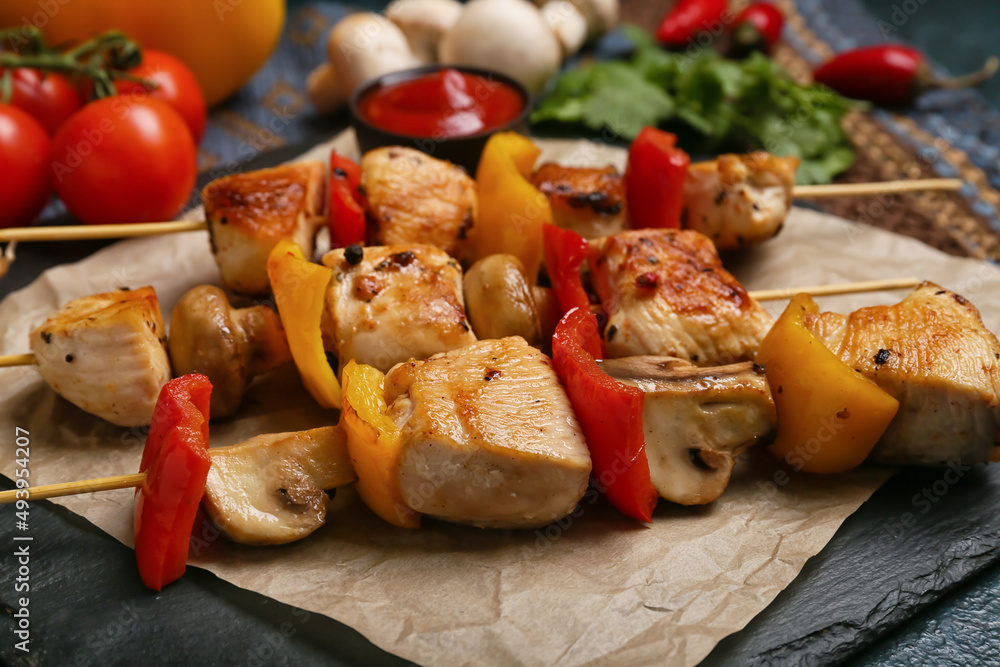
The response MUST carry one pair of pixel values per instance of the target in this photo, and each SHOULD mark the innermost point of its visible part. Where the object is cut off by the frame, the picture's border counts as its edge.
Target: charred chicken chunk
(666, 294)
(105, 354)
(249, 213)
(270, 489)
(739, 200)
(415, 198)
(590, 201)
(696, 421)
(489, 437)
(387, 304)
(933, 354)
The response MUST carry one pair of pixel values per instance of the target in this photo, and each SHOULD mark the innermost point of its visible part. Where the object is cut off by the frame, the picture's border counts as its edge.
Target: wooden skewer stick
(10, 360)
(78, 232)
(17, 360)
(73, 488)
(888, 187)
(829, 290)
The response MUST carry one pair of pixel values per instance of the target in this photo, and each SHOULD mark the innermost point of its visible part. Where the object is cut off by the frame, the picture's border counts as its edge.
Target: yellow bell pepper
(829, 415)
(512, 212)
(300, 290)
(373, 441)
(223, 41)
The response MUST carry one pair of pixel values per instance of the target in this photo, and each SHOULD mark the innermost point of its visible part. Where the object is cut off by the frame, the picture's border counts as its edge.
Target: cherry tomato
(121, 159)
(24, 151)
(48, 97)
(178, 87)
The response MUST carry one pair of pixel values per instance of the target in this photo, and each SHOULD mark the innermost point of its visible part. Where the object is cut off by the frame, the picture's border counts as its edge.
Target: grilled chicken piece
(394, 303)
(590, 201)
(415, 198)
(105, 354)
(228, 345)
(489, 437)
(696, 421)
(933, 354)
(739, 200)
(270, 489)
(249, 213)
(666, 294)
(499, 301)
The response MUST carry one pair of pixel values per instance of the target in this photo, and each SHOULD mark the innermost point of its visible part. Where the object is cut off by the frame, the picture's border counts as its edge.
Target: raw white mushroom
(324, 89)
(509, 36)
(424, 22)
(364, 46)
(601, 15)
(568, 24)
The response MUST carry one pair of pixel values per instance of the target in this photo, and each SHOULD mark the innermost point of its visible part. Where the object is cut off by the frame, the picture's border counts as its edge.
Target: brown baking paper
(594, 587)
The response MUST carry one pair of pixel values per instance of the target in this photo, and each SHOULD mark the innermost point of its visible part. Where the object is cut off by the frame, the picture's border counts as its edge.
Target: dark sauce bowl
(463, 150)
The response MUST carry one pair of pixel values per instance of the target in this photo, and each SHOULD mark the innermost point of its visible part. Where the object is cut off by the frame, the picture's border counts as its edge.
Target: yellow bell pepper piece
(373, 441)
(223, 41)
(512, 212)
(299, 290)
(829, 415)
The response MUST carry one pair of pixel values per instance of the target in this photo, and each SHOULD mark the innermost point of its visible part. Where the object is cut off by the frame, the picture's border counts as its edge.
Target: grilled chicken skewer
(487, 435)
(107, 353)
(232, 346)
(269, 489)
(738, 200)
(735, 200)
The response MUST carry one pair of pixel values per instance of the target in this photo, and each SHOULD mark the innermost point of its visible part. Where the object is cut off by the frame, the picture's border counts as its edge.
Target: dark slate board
(88, 606)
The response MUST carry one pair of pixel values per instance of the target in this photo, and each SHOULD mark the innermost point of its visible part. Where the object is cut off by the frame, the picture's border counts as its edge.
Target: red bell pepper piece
(565, 251)
(889, 74)
(176, 463)
(689, 18)
(610, 414)
(654, 180)
(347, 212)
(756, 28)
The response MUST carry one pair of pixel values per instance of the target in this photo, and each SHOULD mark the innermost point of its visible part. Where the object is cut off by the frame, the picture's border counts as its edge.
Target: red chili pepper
(176, 463)
(757, 28)
(347, 213)
(565, 251)
(654, 180)
(610, 414)
(688, 18)
(889, 74)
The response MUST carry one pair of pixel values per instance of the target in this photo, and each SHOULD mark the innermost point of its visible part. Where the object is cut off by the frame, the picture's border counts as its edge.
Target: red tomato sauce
(446, 103)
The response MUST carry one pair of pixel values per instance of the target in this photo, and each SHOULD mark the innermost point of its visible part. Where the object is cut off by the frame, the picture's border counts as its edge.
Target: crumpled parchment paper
(590, 589)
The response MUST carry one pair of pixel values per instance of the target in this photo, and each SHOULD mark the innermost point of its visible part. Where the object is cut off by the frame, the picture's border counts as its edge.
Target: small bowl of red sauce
(448, 112)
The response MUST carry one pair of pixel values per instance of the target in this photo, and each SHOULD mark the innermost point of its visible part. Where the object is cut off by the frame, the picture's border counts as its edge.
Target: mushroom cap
(424, 22)
(204, 339)
(366, 45)
(509, 36)
(270, 489)
(499, 301)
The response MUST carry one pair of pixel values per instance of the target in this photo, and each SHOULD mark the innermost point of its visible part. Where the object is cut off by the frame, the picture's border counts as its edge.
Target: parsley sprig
(713, 104)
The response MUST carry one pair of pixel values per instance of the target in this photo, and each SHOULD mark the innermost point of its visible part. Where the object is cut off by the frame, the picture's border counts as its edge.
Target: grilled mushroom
(270, 489)
(230, 346)
(696, 421)
(498, 300)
